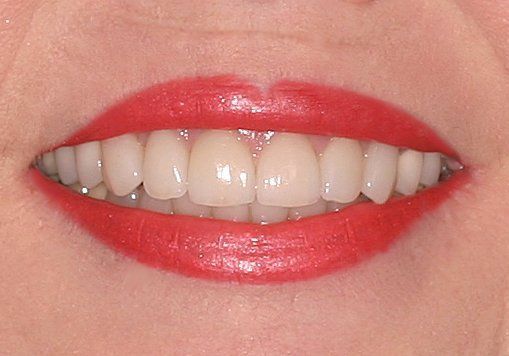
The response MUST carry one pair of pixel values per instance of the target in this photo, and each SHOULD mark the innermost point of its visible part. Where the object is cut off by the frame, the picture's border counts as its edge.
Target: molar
(431, 168)
(66, 164)
(409, 172)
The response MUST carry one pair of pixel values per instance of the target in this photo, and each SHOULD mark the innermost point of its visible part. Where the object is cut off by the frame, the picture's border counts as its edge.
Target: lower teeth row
(268, 177)
(254, 212)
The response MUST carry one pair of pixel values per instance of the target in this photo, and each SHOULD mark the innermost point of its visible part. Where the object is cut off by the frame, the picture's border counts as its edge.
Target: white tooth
(184, 206)
(76, 187)
(409, 172)
(130, 200)
(88, 163)
(66, 163)
(431, 167)
(55, 178)
(122, 163)
(341, 167)
(157, 205)
(239, 213)
(165, 165)
(99, 192)
(335, 206)
(221, 170)
(49, 163)
(288, 172)
(320, 207)
(380, 171)
(453, 165)
(264, 214)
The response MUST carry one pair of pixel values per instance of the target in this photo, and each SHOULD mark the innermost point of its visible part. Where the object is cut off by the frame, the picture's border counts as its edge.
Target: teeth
(130, 200)
(409, 172)
(99, 192)
(88, 164)
(244, 176)
(146, 202)
(221, 170)
(184, 206)
(165, 165)
(49, 163)
(239, 213)
(431, 167)
(66, 164)
(379, 171)
(320, 207)
(122, 163)
(288, 172)
(341, 170)
(264, 214)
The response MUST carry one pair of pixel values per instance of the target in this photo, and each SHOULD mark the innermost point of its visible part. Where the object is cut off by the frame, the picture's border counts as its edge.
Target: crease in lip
(249, 253)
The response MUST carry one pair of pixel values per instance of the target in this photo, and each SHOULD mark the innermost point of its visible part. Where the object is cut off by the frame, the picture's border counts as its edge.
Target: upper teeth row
(220, 170)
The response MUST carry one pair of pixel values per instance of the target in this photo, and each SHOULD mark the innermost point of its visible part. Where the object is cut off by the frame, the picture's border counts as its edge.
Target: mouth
(214, 178)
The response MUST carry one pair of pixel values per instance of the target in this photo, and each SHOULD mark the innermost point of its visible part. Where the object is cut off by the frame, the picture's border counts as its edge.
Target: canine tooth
(88, 163)
(431, 167)
(264, 214)
(221, 170)
(239, 213)
(288, 172)
(409, 172)
(165, 165)
(130, 200)
(157, 205)
(379, 171)
(317, 208)
(341, 170)
(99, 192)
(49, 163)
(184, 206)
(66, 164)
(122, 163)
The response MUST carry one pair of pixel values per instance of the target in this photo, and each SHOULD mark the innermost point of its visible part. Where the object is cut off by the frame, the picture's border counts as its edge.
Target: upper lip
(229, 102)
(246, 252)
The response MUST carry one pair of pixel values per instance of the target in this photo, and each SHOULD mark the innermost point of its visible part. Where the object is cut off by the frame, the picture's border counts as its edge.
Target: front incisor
(287, 173)
(221, 170)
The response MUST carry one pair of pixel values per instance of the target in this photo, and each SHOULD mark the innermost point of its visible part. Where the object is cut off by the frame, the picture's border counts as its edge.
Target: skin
(442, 290)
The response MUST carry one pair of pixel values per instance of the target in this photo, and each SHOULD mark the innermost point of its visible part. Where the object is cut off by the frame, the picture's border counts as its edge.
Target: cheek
(492, 17)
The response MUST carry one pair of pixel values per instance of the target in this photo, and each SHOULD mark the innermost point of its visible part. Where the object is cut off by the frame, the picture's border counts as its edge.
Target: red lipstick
(243, 252)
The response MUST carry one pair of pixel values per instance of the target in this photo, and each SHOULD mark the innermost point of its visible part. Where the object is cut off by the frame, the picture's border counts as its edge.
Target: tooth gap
(243, 175)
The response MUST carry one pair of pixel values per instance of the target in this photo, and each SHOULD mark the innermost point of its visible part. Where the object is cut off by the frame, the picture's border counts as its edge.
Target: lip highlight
(243, 252)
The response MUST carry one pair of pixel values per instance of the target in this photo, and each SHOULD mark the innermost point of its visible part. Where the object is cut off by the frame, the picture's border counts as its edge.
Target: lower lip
(249, 253)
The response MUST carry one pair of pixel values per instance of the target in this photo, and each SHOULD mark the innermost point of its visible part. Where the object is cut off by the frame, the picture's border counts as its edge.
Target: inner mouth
(261, 177)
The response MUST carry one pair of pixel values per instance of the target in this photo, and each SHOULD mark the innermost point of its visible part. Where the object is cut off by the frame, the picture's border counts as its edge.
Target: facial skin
(442, 290)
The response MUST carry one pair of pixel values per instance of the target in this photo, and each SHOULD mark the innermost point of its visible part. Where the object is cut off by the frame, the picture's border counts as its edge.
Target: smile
(215, 178)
